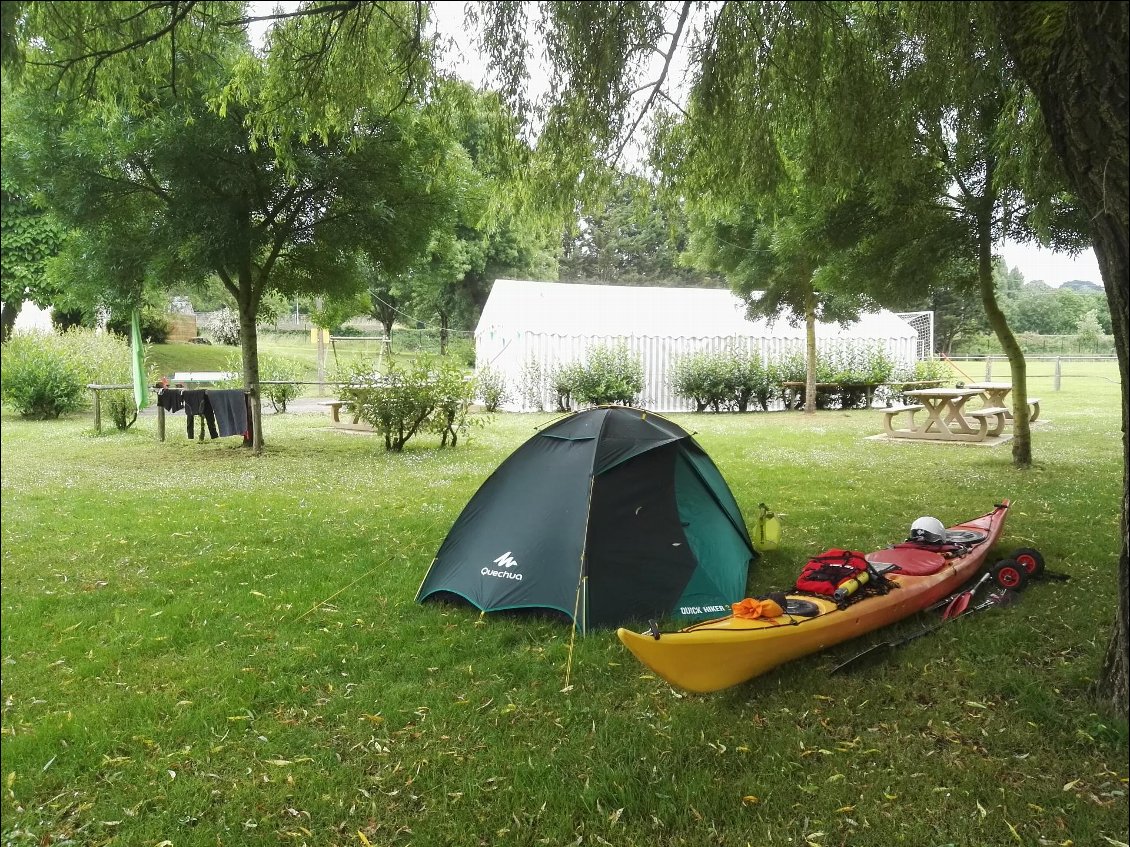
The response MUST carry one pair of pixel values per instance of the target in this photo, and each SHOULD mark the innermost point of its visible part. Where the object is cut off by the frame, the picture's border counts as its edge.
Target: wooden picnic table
(946, 417)
(996, 394)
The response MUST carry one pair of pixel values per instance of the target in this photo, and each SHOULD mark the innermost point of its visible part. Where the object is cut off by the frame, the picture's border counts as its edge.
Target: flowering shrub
(492, 391)
(223, 326)
(531, 385)
(41, 376)
(272, 369)
(610, 375)
(423, 397)
(724, 380)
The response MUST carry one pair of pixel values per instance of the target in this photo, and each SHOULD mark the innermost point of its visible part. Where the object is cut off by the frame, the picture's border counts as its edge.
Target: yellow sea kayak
(720, 653)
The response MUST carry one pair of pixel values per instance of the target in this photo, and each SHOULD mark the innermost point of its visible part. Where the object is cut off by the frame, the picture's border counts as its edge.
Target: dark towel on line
(230, 406)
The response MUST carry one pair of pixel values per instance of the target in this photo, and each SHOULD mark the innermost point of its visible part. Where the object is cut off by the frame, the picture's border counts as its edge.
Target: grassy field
(201, 647)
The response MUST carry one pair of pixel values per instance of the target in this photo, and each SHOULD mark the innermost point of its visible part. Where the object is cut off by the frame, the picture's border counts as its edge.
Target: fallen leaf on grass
(750, 800)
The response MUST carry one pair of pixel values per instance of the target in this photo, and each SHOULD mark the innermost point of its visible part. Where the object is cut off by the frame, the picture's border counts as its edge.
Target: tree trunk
(388, 339)
(8, 316)
(810, 349)
(249, 343)
(1021, 427)
(387, 322)
(1075, 57)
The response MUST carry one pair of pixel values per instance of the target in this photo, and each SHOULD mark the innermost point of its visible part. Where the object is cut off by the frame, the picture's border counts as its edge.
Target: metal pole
(321, 361)
(1055, 380)
(988, 369)
(321, 347)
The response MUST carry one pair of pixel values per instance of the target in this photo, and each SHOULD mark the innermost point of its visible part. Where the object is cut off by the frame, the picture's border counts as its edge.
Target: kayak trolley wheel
(1031, 559)
(1008, 573)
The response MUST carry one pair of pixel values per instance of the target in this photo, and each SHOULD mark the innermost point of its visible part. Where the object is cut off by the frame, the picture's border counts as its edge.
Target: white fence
(511, 358)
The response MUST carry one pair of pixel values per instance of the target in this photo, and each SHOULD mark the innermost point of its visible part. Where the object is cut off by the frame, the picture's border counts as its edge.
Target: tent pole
(581, 587)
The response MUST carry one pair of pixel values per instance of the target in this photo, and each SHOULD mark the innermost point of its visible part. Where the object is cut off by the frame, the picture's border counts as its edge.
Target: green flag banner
(137, 356)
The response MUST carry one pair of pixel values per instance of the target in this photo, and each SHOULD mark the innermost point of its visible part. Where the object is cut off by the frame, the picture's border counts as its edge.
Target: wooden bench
(992, 420)
(891, 412)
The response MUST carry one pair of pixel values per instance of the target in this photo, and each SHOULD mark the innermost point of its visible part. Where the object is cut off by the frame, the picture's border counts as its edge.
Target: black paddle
(1004, 597)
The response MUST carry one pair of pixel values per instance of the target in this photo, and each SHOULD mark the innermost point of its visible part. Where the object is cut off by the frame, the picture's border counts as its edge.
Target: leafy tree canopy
(630, 234)
(173, 191)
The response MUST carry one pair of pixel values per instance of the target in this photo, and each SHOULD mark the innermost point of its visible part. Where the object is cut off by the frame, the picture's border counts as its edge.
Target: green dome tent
(608, 515)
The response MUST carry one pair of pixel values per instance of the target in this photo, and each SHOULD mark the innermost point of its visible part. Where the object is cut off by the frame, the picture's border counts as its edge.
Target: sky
(1053, 268)
(1034, 262)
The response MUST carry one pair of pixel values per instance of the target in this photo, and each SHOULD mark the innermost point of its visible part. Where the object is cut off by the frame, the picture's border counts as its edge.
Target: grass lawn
(170, 678)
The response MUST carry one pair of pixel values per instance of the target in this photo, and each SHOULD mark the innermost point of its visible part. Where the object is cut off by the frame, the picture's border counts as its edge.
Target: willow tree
(1076, 58)
(778, 261)
(892, 83)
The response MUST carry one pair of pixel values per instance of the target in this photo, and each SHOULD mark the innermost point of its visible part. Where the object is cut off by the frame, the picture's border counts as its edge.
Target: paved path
(300, 406)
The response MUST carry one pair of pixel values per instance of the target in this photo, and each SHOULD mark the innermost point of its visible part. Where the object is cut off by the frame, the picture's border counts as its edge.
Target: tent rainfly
(606, 516)
(528, 328)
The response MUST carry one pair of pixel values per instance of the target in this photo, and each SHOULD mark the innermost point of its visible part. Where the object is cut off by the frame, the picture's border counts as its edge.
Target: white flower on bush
(223, 326)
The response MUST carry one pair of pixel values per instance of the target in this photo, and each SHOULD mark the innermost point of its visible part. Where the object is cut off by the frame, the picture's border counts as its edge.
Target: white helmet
(929, 530)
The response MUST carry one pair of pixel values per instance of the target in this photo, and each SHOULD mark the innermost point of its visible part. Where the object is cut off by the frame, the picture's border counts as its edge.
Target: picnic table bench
(892, 412)
(200, 377)
(335, 407)
(946, 417)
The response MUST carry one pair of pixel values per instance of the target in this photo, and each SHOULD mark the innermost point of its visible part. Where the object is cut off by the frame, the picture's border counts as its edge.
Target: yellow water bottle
(767, 533)
(848, 588)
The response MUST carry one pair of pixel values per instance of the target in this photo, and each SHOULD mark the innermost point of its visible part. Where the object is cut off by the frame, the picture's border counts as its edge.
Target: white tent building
(530, 327)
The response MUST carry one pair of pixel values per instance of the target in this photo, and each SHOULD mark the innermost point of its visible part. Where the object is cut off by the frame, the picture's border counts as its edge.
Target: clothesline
(225, 411)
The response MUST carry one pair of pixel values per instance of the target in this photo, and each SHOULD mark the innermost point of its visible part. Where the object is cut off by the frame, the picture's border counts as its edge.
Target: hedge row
(45, 374)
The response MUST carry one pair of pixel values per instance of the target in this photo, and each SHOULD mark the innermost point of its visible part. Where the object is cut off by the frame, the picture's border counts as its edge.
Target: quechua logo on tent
(506, 560)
